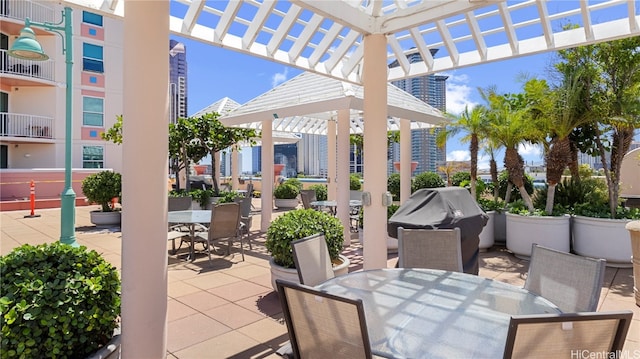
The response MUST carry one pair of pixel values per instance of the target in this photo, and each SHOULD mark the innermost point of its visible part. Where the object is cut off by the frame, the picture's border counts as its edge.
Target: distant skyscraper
(286, 154)
(432, 90)
(177, 80)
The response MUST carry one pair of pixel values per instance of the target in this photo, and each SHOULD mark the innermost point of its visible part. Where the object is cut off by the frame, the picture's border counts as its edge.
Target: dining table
(332, 205)
(425, 313)
(190, 218)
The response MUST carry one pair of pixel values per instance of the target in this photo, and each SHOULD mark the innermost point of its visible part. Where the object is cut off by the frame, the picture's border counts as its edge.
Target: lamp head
(26, 47)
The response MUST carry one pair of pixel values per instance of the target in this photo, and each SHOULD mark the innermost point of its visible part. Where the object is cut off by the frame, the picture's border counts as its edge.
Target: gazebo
(353, 41)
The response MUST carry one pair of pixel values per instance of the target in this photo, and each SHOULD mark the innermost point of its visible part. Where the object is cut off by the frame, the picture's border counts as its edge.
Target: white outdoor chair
(571, 282)
(430, 248)
(567, 336)
(311, 257)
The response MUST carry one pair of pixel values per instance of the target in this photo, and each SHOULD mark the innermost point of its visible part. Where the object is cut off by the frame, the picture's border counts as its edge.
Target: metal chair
(430, 248)
(225, 224)
(307, 196)
(245, 216)
(177, 231)
(567, 335)
(323, 325)
(311, 257)
(571, 282)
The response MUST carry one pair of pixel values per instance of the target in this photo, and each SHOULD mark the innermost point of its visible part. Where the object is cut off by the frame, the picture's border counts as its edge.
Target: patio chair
(430, 248)
(177, 231)
(323, 325)
(245, 217)
(567, 335)
(225, 224)
(307, 196)
(571, 282)
(311, 257)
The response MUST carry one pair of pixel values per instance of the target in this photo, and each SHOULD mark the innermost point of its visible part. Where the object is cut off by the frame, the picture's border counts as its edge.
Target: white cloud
(458, 93)
(279, 77)
(458, 155)
(529, 150)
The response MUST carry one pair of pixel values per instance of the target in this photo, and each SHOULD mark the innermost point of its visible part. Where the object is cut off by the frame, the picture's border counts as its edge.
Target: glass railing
(21, 125)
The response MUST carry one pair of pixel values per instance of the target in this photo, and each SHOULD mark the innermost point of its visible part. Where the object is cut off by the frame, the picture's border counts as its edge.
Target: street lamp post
(27, 47)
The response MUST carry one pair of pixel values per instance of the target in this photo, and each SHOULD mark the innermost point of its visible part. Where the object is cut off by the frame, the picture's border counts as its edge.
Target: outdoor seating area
(226, 307)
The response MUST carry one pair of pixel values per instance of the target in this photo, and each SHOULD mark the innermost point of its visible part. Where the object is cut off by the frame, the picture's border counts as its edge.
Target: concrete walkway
(227, 309)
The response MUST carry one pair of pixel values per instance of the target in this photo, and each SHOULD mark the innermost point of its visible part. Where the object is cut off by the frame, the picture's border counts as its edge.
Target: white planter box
(603, 238)
(286, 203)
(105, 219)
(487, 234)
(547, 231)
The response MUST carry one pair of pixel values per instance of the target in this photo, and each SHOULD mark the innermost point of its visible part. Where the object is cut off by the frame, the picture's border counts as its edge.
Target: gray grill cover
(444, 208)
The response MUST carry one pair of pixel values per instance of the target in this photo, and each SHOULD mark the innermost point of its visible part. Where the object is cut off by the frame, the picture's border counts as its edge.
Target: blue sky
(214, 73)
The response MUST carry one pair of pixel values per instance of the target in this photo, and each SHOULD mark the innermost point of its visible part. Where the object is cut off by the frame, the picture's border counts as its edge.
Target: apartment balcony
(16, 127)
(14, 12)
(17, 72)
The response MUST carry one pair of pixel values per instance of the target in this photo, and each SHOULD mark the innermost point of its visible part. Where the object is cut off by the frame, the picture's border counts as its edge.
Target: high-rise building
(432, 90)
(286, 154)
(177, 80)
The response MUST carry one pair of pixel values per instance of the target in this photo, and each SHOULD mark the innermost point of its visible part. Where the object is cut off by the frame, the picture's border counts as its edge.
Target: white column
(215, 171)
(343, 173)
(144, 179)
(267, 175)
(374, 76)
(405, 160)
(331, 160)
(235, 169)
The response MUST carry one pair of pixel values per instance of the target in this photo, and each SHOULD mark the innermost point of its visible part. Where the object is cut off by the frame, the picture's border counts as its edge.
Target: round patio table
(190, 218)
(423, 313)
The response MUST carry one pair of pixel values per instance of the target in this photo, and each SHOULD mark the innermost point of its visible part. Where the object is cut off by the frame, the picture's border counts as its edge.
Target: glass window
(92, 157)
(92, 58)
(92, 111)
(91, 18)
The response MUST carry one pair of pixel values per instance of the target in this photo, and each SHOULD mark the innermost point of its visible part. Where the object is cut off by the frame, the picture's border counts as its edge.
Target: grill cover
(444, 208)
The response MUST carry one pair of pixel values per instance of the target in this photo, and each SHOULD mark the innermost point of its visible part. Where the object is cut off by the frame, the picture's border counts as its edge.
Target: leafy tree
(211, 136)
(393, 186)
(459, 177)
(114, 133)
(427, 180)
(182, 148)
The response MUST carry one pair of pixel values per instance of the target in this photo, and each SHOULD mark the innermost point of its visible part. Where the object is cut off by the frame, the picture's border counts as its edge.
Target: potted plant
(298, 224)
(58, 301)
(103, 188)
(286, 195)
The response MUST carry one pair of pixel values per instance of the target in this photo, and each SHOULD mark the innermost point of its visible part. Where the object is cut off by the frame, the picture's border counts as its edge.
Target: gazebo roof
(304, 104)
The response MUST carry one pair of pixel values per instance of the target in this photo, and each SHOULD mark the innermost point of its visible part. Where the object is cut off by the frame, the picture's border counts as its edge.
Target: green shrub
(102, 187)
(427, 180)
(393, 186)
(57, 302)
(300, 223)
(286, 191)
(321, 191)
(490, 204)
(354, 182)
(295, 182)
(202, 196)
(460, 177)
(227, 196)
(571, 192)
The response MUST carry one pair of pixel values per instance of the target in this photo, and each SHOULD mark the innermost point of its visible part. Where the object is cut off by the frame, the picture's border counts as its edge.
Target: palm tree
(511, 126)
(474, 124)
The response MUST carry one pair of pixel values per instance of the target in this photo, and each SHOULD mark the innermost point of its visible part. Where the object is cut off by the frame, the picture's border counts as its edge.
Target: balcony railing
(21, 125)
(43, 70)
(34, 10)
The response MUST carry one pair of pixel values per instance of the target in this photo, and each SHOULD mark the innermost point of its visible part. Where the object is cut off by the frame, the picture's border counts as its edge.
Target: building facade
(177, 80)
(32, 93)
(432, 90)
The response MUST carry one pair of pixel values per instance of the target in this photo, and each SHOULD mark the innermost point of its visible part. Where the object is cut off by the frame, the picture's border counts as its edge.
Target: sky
(214, 73)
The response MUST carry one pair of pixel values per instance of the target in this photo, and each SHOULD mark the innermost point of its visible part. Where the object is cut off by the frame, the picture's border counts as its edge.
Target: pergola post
(235, 169)
(266, 197)
(374, 78)
(144, 179)
(331, 160)
(405, 160)
(343, 173)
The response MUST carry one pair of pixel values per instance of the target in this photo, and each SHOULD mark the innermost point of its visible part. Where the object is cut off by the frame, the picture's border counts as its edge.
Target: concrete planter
(634, 231)
(602, 238)
(547, 231)
(105, 219)
(487, 235)
(291, 274)
(282, 203)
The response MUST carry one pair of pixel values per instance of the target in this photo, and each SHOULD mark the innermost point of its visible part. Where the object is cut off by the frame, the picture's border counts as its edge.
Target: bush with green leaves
(393, 186)
(427, 180)
(460, 177)
(300, 223)
(202, 196)
(57, 301)
(354, 182)
(227, 196)
(102, 187)
(571, 192)
(321, 191)
(491, 204)
(294, 182)
(286, 191)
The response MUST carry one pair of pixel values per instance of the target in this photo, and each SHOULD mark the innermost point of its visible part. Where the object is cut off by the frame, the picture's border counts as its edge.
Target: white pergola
(350, 40)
